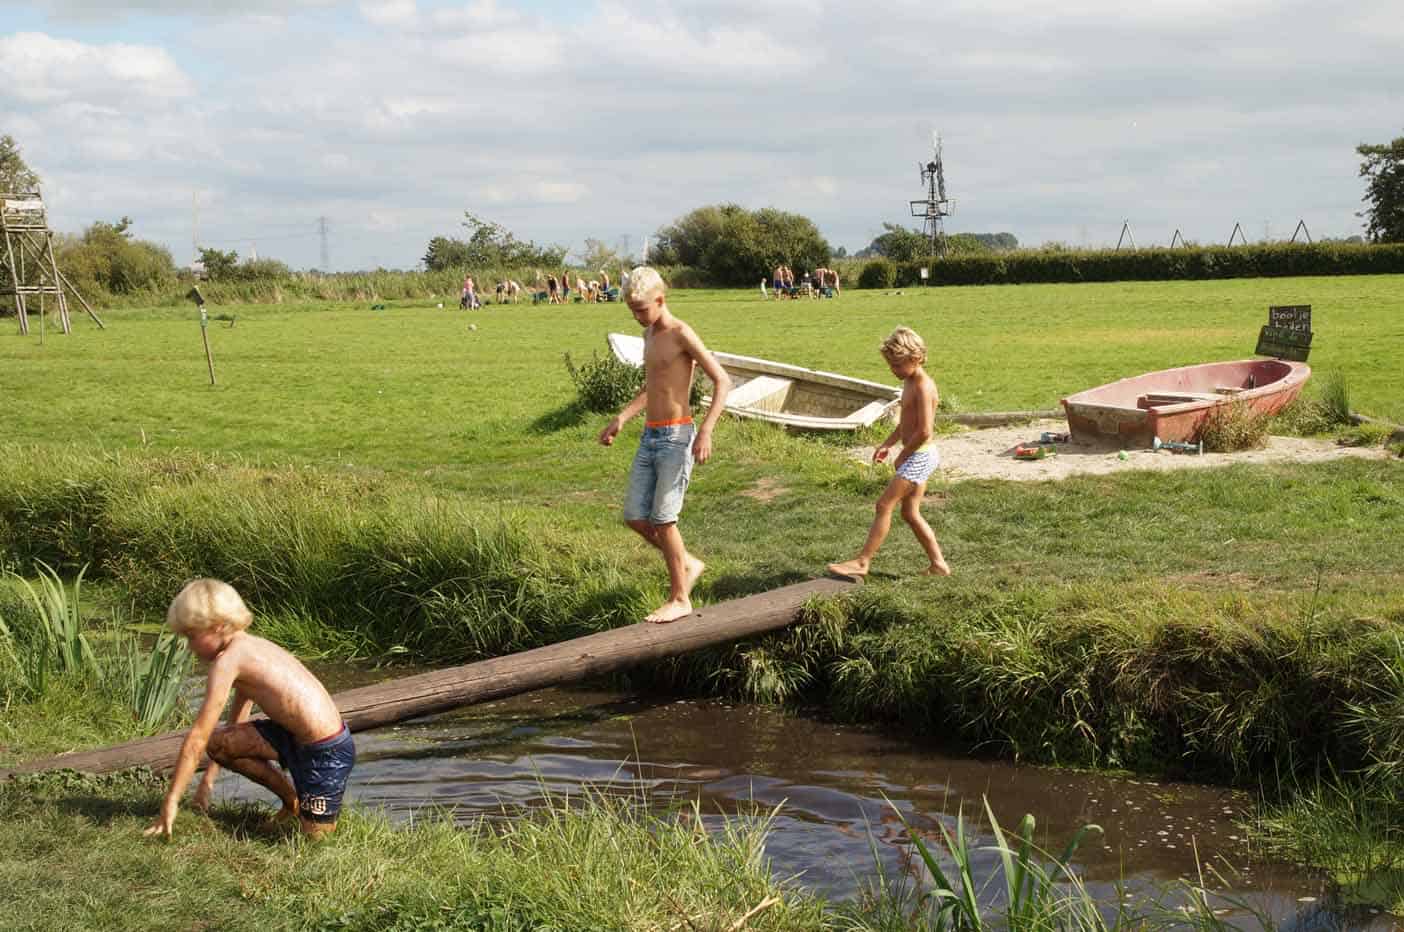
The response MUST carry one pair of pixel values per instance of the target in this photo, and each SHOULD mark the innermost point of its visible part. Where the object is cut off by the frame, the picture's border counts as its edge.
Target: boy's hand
(165, 821)
(702, 446)
(881, 453)
(610, 432)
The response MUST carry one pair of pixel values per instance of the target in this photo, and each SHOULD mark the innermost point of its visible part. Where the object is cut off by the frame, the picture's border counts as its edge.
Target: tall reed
(62, 635)
(153, 682)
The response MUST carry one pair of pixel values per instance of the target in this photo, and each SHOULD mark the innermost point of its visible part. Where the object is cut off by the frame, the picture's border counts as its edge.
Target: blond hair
(644, 282)
(206, 604)
(904, 344)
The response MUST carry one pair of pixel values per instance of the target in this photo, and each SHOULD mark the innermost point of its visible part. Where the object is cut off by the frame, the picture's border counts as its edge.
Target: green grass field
(411, 389)
(378, 479)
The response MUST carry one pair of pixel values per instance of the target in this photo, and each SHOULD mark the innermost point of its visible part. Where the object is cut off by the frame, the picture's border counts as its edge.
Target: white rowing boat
(792, 396)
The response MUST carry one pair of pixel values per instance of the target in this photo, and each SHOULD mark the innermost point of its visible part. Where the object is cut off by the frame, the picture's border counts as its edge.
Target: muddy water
(839, 786)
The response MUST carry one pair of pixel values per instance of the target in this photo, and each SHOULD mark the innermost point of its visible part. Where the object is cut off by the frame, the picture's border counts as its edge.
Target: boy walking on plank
(303, 730)
(663, 465)
(905, 354)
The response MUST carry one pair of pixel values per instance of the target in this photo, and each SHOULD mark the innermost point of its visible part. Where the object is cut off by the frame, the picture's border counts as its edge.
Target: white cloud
(398, 13)
(618, 117)
(39, 69)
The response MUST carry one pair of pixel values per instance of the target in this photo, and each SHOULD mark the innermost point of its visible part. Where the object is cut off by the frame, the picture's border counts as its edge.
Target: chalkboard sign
(1291, 317)
(1288, 333)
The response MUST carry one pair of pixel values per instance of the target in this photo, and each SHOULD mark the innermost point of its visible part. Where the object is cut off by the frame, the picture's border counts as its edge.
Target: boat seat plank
(1228, 390)
(870, 412)
(1176, 398)
(757, 390)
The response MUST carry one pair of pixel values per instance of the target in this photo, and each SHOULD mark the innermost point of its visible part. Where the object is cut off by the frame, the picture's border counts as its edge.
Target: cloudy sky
(608, 119)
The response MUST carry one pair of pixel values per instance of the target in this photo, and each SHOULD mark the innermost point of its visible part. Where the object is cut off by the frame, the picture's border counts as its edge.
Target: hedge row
(1193, 264)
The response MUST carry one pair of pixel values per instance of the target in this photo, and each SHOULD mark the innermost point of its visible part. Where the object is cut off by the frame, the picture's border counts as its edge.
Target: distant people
(777, 280)
(565, 287)
(469, 299)
(834, 282)
(764, 295)
(583, 289)
(552, 290)
(789, 280)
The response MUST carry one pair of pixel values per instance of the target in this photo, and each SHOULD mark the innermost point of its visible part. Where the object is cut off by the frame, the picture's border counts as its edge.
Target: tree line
(726, 244)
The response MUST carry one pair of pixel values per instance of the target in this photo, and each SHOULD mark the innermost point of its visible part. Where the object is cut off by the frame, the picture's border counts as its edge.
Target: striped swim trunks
(920, 465)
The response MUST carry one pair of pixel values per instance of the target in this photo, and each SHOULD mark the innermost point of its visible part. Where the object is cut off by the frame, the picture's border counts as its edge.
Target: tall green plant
(1033, 898)
(153, 682)
(61, 621)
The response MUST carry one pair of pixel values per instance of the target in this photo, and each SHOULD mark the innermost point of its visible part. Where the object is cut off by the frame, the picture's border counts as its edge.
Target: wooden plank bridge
(553, 665)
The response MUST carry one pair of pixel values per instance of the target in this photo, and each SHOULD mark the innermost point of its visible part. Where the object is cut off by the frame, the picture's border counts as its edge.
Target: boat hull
(791, 396)
(1172, 404)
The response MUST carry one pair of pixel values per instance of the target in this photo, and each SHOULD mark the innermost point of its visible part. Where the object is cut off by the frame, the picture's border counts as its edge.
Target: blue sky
(607, 120)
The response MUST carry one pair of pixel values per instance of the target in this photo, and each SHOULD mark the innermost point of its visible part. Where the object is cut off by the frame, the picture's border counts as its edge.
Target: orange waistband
(673, 423)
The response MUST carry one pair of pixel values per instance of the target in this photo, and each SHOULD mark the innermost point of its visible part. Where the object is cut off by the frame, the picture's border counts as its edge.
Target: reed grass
(62, 634)
(154, 682)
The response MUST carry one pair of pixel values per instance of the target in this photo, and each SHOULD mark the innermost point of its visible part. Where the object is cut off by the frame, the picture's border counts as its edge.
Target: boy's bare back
(278, 683)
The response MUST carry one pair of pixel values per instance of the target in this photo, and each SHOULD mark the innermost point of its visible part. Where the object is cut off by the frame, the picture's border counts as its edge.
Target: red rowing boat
(1172, 404)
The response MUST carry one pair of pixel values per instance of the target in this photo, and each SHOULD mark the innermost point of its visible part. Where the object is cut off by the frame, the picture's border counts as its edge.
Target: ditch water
(839, 789)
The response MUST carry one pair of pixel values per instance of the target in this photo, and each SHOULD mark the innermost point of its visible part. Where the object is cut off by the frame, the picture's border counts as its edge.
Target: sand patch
(767, 490)
(989, 454)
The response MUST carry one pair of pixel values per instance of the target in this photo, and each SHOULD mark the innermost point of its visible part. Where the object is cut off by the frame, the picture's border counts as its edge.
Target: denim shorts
(918, 467)
(318, 770)
(658, 479)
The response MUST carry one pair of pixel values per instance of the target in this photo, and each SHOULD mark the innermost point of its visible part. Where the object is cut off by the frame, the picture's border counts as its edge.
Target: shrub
(604, 385)
(879, 273)
(1234, 427)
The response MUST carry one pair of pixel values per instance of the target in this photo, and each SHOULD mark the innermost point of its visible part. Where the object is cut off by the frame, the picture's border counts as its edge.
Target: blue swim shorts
(319, 770)
(919, 466)
(658, 479)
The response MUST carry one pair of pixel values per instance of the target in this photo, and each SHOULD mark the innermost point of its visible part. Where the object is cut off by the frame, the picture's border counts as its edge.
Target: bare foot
(693, 570)
(287, 813)
(850, 569)
(939, 568)
(671, 610)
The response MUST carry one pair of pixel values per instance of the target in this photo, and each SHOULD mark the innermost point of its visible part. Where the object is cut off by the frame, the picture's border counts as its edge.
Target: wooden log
(1397, 435)
(556, 664)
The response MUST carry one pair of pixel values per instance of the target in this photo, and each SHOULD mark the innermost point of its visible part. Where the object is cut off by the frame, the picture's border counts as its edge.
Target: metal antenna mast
(936, 207)
(322, 231)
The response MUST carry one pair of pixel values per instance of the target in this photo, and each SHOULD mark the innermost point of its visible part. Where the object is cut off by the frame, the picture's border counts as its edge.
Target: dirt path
(989, 454)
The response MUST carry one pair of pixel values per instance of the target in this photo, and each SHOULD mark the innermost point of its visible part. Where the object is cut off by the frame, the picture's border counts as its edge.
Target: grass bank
(1188, 623)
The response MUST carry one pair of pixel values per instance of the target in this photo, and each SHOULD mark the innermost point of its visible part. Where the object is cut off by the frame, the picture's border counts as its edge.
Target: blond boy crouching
(303, 730)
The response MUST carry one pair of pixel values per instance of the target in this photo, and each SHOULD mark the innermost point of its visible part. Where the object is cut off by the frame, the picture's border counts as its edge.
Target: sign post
(199, 299)
(925, 274)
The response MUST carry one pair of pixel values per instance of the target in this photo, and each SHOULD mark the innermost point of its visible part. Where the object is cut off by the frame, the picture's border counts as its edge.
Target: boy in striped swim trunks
(663, 465)
(905, 354)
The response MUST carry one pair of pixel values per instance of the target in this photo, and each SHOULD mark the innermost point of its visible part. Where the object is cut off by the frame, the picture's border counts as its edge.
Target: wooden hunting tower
(29, 267)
